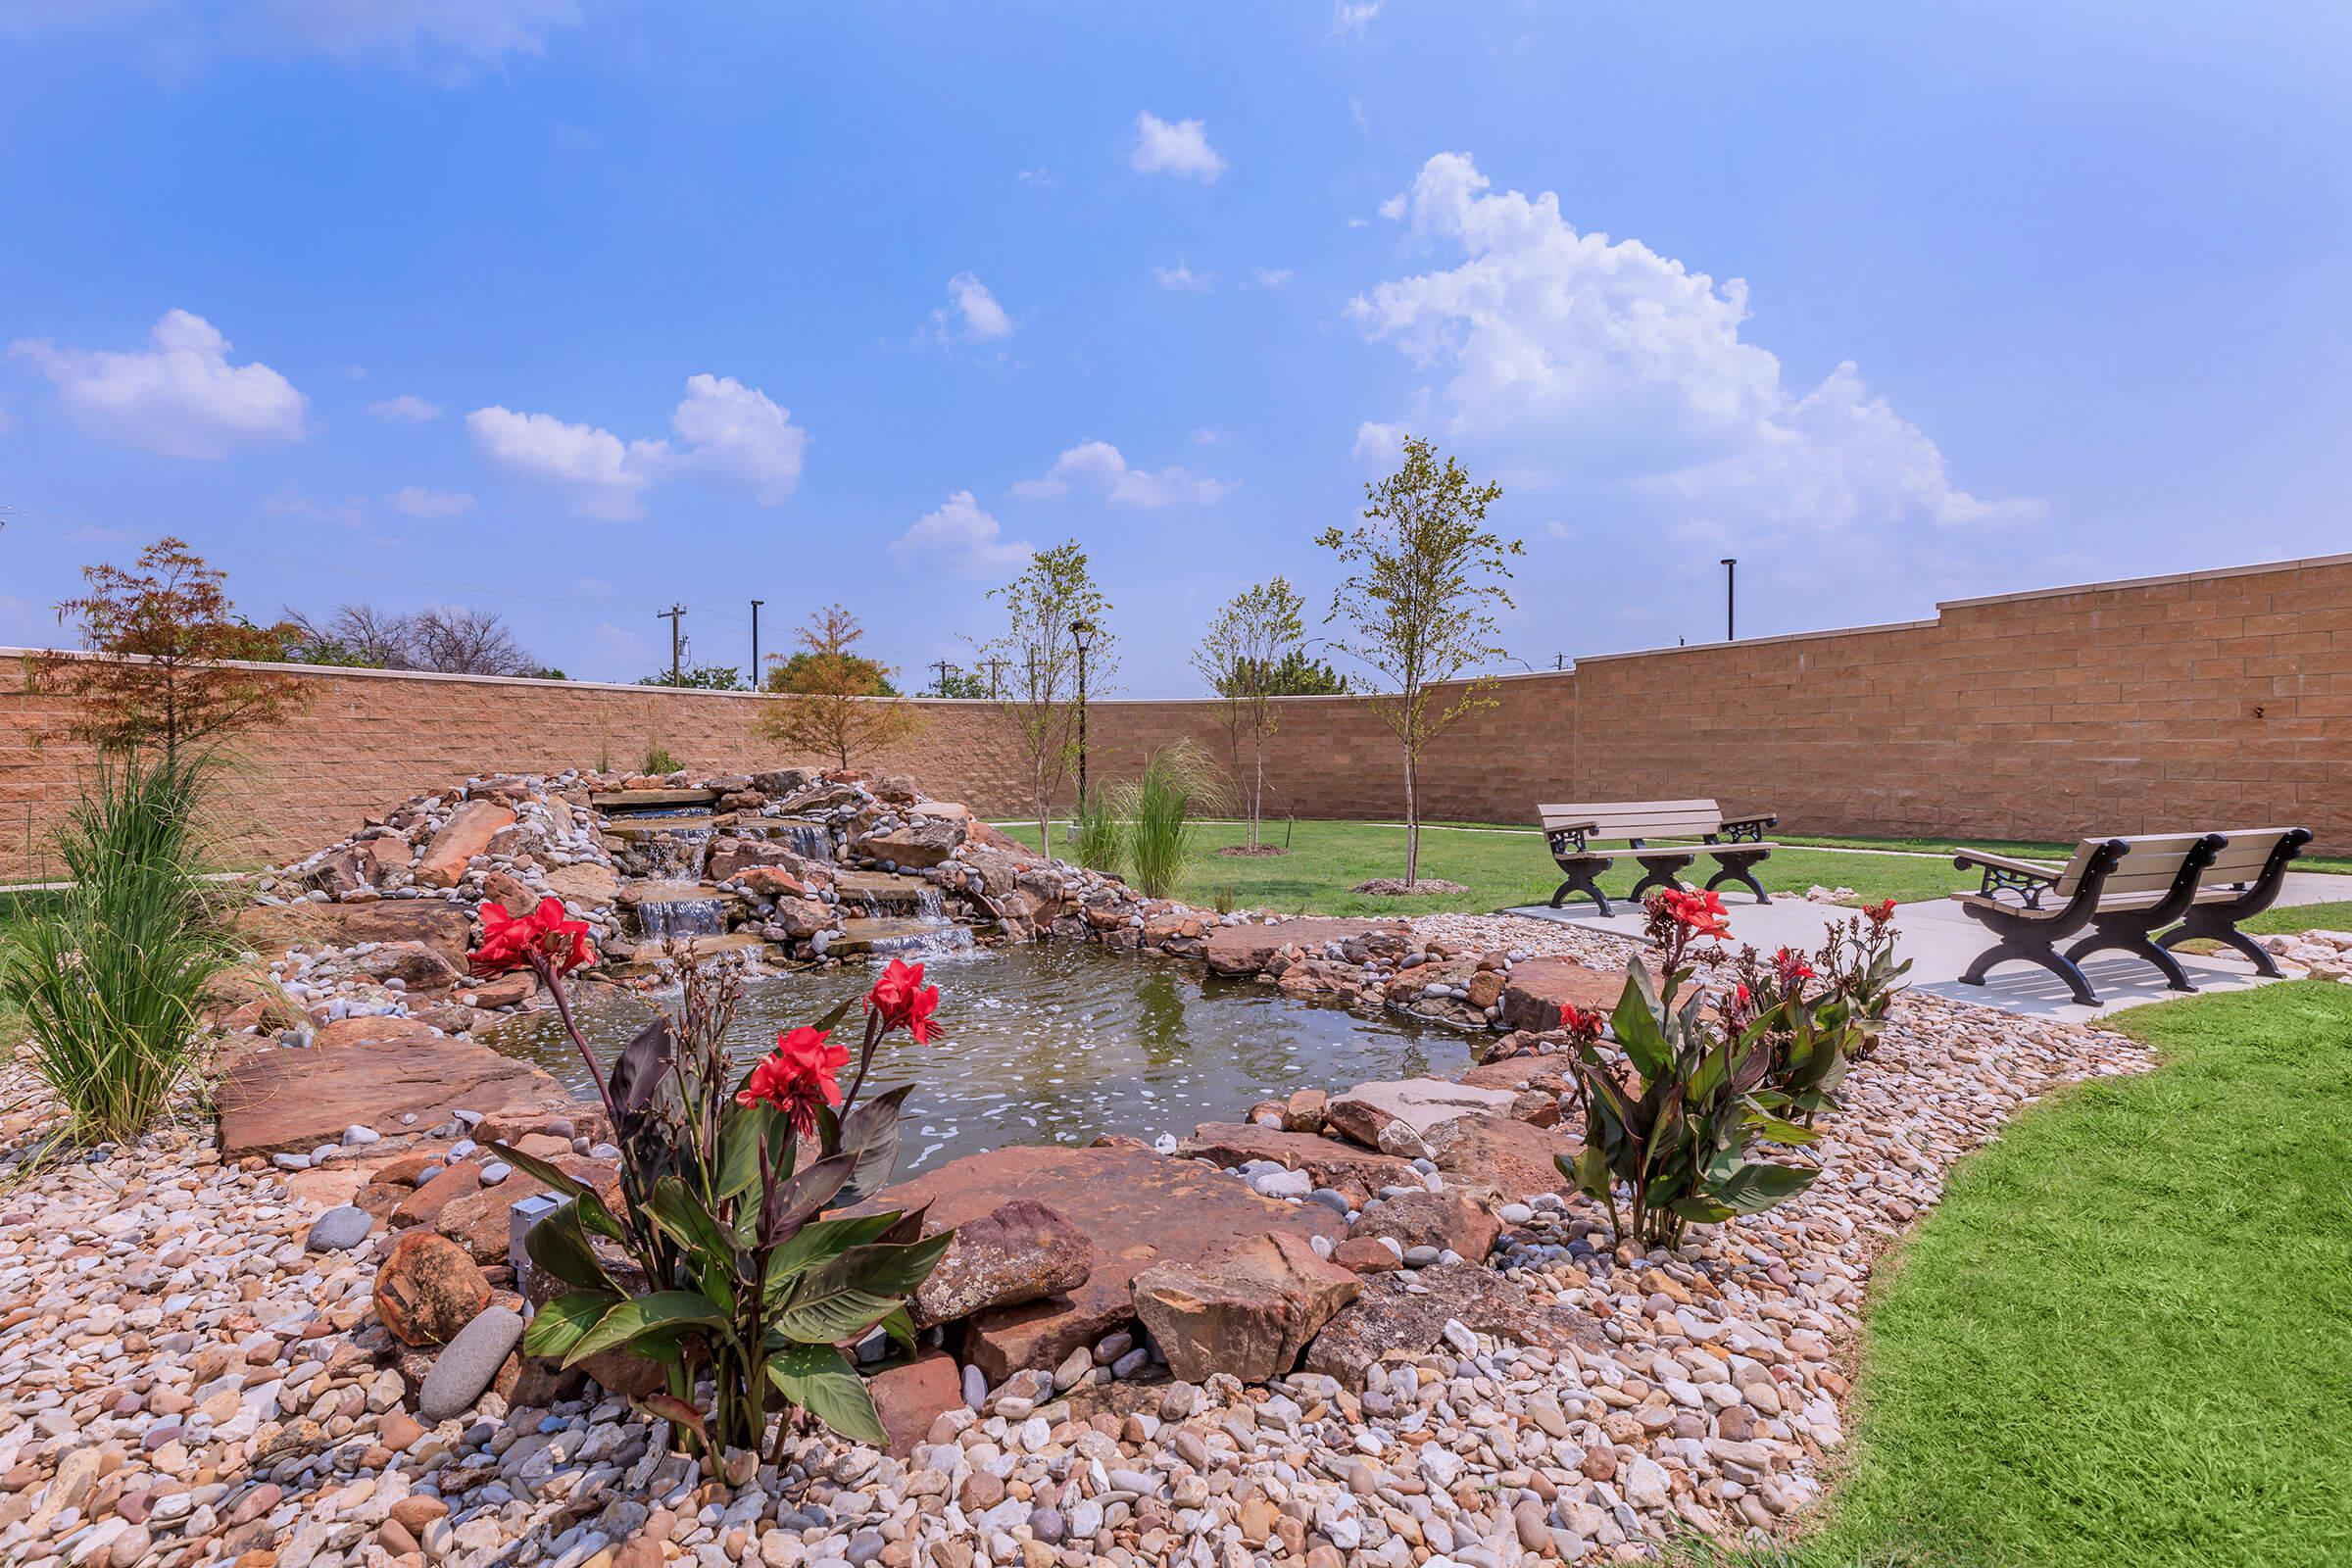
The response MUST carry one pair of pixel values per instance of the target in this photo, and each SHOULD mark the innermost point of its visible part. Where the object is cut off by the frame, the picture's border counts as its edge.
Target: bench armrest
(2030, 878)
(1570, 838)
(1750, 828)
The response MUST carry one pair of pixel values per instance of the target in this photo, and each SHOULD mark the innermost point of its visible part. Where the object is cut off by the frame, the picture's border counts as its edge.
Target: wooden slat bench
(1737, 844)
(2123, 891)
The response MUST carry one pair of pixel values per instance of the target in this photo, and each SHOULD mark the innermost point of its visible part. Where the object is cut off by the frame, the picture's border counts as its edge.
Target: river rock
(467, 1366)
(1019, 1252)
(339, 1230)
(428, 1288)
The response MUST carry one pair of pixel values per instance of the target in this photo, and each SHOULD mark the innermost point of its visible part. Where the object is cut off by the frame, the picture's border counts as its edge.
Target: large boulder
(428, 1289)
(414, 964)
(1539, 988)
(1408, 1312)
(466, 834)
(586, 883)
(1247, 1313)
(1502, 1156)
(914, 846)
(1247, 949)
(447, 929)
(1019, 1251)
(1447, 1221)
(1136, 1208)
(367, 1072)
(1397, 1116)
(1328, 1162)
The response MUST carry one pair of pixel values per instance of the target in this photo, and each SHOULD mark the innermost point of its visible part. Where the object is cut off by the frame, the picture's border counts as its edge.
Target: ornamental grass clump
(112, 977)
(1098, 838)
(746, 1282)
(1177, 781)
(1678, 1134)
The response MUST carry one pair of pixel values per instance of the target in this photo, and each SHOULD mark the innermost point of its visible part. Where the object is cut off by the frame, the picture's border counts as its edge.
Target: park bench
(2122, 892)
(1735, 843)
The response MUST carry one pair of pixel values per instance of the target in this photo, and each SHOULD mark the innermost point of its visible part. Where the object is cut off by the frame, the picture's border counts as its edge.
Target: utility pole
(996, 670)
(673, 614)
(943, 666)
(756, 683)
(1730, 598)
(1559, 660)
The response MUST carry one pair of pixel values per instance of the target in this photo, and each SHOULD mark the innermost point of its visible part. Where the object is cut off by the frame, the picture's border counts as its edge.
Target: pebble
(339, 1230)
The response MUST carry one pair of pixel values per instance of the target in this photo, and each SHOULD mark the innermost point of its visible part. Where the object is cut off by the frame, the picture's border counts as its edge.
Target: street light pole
(1082, 633)
(1730, 598)
(756, 681)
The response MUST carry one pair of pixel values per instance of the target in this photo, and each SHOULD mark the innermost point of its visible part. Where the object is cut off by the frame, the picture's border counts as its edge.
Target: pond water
(1052, 1042)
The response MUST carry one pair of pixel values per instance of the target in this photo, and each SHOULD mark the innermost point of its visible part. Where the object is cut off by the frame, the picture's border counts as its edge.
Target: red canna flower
(1700, 913)
(796, 1077)
(1582, 1026)
(901, 999)
(516, 942)
(1792, 967)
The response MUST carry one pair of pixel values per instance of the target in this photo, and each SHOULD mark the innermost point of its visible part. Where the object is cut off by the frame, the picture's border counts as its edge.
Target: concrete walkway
(1941, 941)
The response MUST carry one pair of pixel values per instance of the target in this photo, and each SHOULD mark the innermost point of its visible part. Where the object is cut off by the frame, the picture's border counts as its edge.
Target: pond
(1052, 1042)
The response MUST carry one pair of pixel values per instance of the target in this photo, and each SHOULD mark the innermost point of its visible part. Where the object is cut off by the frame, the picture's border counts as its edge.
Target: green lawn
(1499, 869)
(2124, 1338)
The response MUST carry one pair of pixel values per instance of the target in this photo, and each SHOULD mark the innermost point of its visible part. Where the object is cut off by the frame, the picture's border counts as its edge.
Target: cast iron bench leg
(2228, 936)
(1584, 879)
(2040, 952)
(1661, 872)
(1736, 865)
(2136, 944)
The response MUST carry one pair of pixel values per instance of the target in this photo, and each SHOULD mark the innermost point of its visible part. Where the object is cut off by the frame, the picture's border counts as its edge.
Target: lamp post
(1082, 633)
(1730, 598)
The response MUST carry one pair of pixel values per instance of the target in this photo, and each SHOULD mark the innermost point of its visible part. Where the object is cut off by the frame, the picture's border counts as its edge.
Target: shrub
(1678, 1134)
(658, 760)
(112, 976)
(748, 1284)
(1176, 780)
(1098, 838)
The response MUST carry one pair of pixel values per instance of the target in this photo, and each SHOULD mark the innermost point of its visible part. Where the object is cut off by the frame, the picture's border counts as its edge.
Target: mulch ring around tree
(1260, 852)
(1399, 887)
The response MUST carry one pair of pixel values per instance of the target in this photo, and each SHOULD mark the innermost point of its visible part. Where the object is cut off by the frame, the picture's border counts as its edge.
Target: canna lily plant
(1676, 1135)
(739, 1275)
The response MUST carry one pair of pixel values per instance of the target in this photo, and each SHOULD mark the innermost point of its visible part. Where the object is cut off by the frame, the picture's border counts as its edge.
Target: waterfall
(811, 841)
(682, 918)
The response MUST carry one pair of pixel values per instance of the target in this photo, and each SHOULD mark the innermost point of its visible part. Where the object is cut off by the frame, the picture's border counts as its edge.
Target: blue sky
(577, 307)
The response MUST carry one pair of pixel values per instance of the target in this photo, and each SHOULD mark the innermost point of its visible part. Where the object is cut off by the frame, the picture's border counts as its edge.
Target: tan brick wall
(2123, 707)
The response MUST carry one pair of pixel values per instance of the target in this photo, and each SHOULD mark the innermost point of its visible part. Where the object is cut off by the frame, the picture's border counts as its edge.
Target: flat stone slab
(1549, 1072)
(1136, 1208)
(1245, 949)
(1532, 997)
(1502, 1155)
(1328, 1162)
(444, 928)
(1391, 1316)
(622, 799)
(1396, 1116)
(365, 1073)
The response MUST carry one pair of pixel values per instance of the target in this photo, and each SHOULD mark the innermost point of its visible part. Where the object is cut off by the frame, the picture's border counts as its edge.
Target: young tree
(1419, 604)
(1246, 646)
(837, 702)
(1297, 675)
(957, 681)
(1052, 595)
(699, 677)
(160, 639)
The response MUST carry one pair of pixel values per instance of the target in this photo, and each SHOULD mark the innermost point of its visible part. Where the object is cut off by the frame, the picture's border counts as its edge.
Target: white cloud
(592, 463)
(1097, 466)
(1378, 445)
(450, 40)
(1181, 149)
(1604, 363)
(351, 514)
(730, 435)
(961, 540)
(1210, 436)
(1273, 276)
(592, 588)
(181, 398)
(1038, 177)
(405, 408)
(1350, 18)
(416, 500)
(982, 319)
(1181, 279)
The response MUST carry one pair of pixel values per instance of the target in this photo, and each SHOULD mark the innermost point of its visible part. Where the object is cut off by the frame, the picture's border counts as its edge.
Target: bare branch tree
(466, 642)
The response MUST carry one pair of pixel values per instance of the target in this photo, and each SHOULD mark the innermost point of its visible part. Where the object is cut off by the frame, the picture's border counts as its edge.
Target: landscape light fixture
(1730, 598)
(1082, 633)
